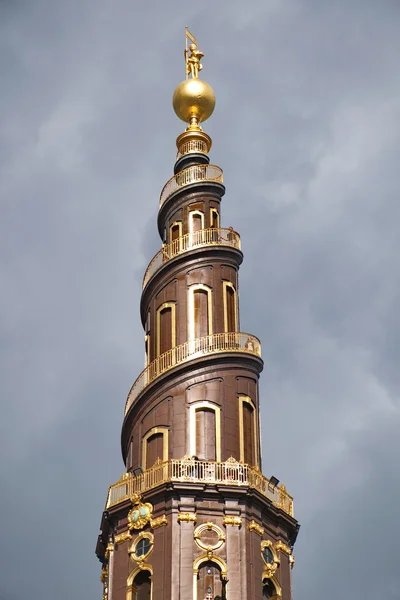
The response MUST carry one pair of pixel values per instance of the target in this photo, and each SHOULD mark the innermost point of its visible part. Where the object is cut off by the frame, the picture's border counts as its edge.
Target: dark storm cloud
(306, 130)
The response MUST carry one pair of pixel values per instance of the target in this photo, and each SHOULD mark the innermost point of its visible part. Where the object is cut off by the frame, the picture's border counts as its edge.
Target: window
(143, 547)
(166, 332)
(248, 431)
(230, 307)
(175, 238)
(141, 587)
(205, 431)
(200, 311)
(268, 589)
(205, 434)
(154, 446)
(196, 227)
(214, 218)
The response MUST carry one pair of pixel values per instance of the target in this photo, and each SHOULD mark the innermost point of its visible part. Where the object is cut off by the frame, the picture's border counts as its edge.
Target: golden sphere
(193, 98)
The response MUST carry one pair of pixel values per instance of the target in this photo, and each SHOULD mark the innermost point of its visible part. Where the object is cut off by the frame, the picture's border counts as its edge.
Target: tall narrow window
(166, 332)
(142, 586)
(205, 431)
(205, 434)
(248, 431)
(214, 218)
(175, 238)
(196, 227)
(154, 449)
(154, 446)
(200, 311)
(230, 307)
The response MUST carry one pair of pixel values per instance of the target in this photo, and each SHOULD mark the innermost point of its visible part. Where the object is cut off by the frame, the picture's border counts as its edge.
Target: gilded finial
(193, 100)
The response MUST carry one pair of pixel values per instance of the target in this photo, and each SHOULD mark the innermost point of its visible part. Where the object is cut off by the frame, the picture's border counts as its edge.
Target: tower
(193, 517)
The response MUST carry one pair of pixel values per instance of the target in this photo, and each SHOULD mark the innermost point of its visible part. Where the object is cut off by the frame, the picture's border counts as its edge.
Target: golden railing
(188, 470)
(217, 342)
(197, 239)
(192, 146)
(190, 175)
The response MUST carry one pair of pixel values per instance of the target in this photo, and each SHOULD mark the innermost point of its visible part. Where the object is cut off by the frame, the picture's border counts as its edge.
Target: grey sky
(306, 129)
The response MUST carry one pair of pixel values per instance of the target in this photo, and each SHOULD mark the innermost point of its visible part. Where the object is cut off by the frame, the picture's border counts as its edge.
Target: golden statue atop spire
(193, 64)
(194, 99)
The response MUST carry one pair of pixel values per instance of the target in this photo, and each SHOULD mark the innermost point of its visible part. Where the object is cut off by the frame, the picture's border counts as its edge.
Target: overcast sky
(306, 129)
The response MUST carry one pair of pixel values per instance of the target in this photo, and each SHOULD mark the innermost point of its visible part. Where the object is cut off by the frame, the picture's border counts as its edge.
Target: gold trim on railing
(197, 239)
(217, 342)
(230, 473)
(190, 175)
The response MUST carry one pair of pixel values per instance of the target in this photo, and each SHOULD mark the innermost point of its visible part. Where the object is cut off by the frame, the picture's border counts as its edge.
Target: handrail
(197, 239)
(230, 472)
(217, 342)
(190, 175)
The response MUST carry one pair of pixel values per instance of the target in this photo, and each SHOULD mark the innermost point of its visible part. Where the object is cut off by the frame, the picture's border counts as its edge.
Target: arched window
(209, 581)
(200, 311)
(268, 589)
(230, 307)
(154, 446)
(166, 327)
(141, 586)
(248, 431)
(205, 431)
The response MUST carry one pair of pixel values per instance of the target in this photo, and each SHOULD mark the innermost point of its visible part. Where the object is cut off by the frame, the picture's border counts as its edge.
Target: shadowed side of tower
(193, 517)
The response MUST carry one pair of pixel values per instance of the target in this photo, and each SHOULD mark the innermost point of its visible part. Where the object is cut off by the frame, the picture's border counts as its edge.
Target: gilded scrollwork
(125, 536)
(187, 517)
(158, 522)
(281, 547)
(232, 520)
(140, 514)
(253, 526)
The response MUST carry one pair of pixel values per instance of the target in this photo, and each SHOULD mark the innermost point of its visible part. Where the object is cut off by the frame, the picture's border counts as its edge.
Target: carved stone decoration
(209, 527)
(140, 514)
(125, 536)
(232, 520)
(187, 517)
(158, 522)
(256, 528)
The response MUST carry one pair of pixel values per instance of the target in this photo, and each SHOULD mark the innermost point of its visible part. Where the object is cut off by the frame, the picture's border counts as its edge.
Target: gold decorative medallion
(219, 541)
(140, 514)
(232, 520)
(256, 528)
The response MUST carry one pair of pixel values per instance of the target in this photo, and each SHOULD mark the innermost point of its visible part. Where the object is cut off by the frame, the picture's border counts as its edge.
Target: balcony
(210, 344)
(188, 470)
(193, 174)
(197, 239)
